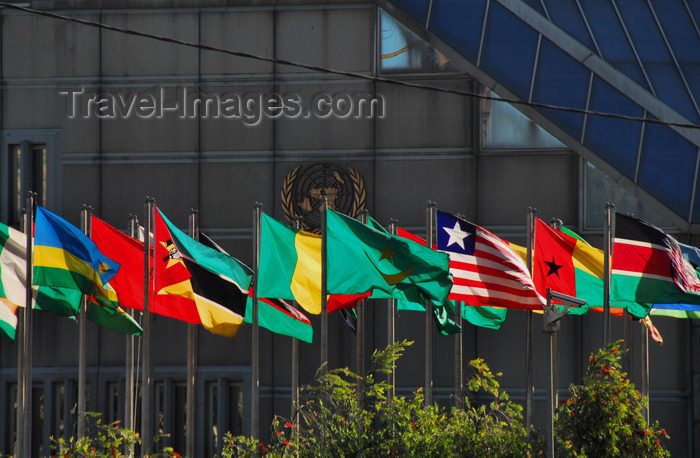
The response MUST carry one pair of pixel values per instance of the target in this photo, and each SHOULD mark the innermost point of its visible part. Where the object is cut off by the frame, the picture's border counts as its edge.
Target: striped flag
(13, 270)
(485, 269)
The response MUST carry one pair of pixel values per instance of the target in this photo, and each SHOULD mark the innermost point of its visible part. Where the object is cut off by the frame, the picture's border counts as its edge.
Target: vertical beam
(608, 243)
(529, 379)
(391, 325)
(429, 230)
(146, 380)
(255, 356)
(191, 385)
(324, 286)
(82, 339)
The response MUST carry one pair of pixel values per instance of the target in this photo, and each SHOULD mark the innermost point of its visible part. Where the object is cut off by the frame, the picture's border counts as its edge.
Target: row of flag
(196, 281)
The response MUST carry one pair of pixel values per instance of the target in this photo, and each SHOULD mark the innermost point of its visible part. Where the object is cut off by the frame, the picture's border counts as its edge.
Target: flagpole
(295, 359)
(255, 356)
(82, 339)
(146, 434)
(391, 324)
(360, 336)
(608, 235)
(529, 380)
(24, 366)
(429, 228)
(129, 372)
(645, 371)
(191, 359)
(324, 286)
(458, 354)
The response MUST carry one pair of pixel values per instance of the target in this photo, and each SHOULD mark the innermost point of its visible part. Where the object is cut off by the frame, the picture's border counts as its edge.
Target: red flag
(128, 283)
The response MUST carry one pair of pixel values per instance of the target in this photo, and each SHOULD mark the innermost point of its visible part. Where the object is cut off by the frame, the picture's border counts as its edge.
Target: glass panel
(509, 51)
(112, 402)
(599, 189)
(212, 433)
(15, 184)
(402, 51)
(178, 437)
(565, 14)
(459, 23)
(615, 140)
(235, 408)
(59, 410)
(39, 173)
(417, 9)
(561, 81)
(37, 446)
(502, 126)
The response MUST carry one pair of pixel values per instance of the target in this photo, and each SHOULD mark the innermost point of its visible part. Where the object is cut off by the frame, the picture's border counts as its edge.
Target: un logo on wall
(303, 189)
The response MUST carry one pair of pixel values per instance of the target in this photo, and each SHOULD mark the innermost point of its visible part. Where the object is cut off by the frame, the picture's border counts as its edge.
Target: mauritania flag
(486, 270)
(13, 270)
(648, 266)
(64, 257)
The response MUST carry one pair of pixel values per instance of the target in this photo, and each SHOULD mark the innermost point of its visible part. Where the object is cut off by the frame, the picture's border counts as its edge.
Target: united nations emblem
(303, 189)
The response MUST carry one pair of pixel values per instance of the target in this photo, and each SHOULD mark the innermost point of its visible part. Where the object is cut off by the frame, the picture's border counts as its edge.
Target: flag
(567, 265)
(653, 331)
(363, 259)
(64, 257)
(648, 266)
(487, 317)
(280, 317)
(290, 268)
(692, 254)
(485, 269)
(13, 274)
(218, 283)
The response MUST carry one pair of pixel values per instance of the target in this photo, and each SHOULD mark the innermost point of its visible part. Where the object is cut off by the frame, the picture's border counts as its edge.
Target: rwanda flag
(64, 257)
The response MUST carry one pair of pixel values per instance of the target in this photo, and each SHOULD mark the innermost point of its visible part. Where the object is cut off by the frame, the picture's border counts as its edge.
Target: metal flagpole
(391, 325)
(324, 286)
(148, 262)
(129, 372)
(529, 380)
(82, 339)
(608, 236)
(295, 359)
(255, 356)
(191, 359)
(360, 336)
(458, 357)
(645, 371)
(429, 228)
(24, 367)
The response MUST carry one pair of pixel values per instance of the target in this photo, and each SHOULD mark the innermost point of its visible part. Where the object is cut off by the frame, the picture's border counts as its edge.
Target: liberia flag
(485, 269)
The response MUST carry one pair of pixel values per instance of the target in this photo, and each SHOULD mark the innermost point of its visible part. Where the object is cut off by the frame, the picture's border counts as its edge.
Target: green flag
(13, 268)
(362, 259)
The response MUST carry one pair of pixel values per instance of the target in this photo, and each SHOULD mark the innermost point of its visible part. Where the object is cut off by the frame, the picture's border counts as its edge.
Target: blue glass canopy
(621, 57)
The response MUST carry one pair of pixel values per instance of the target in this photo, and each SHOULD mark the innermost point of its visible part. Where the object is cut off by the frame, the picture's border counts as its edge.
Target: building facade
(217, 118)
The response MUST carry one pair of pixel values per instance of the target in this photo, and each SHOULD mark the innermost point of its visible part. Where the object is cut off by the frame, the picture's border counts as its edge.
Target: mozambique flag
(64, 257)
(648, 266)
(218, 283)
(290, 268)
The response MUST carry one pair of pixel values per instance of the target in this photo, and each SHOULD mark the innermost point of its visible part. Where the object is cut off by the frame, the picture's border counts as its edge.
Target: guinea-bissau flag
(290, 268)
(648, 266)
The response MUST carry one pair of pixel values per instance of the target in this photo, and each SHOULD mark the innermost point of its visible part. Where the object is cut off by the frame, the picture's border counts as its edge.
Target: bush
(333, 423)
(603, 416)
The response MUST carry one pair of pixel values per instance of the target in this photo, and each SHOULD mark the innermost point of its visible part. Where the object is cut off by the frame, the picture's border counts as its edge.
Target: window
(402, 51)
(504, 127)
(599, 189)
(29, 161)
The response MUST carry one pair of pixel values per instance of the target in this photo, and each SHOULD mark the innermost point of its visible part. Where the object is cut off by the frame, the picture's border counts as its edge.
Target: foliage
(603, 416)
(333, 422)
(103, 440)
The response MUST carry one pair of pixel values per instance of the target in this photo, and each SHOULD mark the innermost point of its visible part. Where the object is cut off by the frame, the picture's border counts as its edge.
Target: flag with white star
(484, 268)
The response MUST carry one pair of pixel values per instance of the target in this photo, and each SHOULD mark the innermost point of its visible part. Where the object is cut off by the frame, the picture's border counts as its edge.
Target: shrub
(603, 416)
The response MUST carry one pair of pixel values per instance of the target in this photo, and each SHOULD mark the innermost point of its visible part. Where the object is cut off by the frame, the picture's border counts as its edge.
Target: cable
(342, 72)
